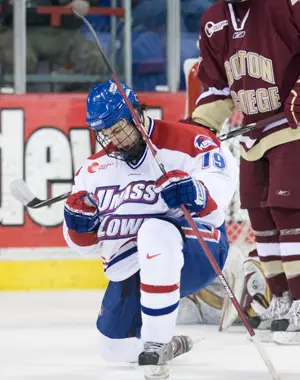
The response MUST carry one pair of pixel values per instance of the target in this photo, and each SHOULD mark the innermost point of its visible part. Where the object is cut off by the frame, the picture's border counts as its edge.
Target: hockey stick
(251, 127)
(209, 255)
(22, 193)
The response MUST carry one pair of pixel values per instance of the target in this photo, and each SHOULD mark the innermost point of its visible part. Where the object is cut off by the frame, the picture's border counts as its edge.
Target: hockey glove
(179, 188)
(292, 106)
(81, 214)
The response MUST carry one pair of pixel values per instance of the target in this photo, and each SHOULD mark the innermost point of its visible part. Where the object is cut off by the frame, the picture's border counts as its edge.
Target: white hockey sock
(161, 259)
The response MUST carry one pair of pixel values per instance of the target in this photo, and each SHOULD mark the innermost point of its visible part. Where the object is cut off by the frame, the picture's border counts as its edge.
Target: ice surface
(52, 335)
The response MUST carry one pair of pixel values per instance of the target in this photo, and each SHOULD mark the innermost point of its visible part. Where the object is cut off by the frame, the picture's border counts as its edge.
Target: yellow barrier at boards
(51, 275)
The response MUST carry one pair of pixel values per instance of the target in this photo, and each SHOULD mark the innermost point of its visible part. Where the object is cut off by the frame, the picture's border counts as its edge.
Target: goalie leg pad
(256, 295)
(251, 289)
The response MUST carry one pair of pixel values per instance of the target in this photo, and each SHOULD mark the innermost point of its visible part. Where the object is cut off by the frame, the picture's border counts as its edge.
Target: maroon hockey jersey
(251, 52)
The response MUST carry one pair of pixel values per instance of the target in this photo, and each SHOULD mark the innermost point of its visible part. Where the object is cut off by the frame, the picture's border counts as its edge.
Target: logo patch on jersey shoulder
(203, 142)
(95, 166)
(211, 28)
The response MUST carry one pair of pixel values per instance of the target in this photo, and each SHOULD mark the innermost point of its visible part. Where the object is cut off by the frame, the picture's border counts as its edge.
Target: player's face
(122, 135)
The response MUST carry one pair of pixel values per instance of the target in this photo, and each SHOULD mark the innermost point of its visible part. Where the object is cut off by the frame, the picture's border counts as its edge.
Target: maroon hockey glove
(292, 106)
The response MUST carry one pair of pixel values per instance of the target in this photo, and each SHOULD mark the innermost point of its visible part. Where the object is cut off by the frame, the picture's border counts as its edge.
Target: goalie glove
(81, 213)
(179, 188)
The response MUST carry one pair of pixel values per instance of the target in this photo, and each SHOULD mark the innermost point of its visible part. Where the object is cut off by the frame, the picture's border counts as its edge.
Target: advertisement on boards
(43, 140)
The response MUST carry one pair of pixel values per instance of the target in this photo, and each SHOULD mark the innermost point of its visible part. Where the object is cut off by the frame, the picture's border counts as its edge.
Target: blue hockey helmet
(105, 105)
(105, 108)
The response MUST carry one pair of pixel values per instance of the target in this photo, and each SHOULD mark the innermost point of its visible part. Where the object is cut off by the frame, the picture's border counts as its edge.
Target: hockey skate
(287, 328)
(155, 356)
(278, 308)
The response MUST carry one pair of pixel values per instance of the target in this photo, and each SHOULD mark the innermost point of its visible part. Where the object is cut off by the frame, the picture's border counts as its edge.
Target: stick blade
(21, 192)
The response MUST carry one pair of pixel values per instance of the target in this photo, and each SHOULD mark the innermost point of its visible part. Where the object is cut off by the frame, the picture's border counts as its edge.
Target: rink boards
(44, 140)
(49, 269)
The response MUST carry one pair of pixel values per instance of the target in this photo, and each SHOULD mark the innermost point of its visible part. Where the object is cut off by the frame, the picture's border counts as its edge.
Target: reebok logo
(149, 257)
(237, 35)
(284, 193)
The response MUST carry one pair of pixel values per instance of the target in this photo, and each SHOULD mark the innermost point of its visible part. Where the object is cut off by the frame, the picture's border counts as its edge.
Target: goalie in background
(212, 306)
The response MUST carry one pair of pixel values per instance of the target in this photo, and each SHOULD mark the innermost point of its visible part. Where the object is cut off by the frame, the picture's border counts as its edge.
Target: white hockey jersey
(127, 197)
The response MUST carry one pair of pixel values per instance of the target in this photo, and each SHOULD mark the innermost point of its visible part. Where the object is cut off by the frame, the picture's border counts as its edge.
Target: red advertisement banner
(44, 139)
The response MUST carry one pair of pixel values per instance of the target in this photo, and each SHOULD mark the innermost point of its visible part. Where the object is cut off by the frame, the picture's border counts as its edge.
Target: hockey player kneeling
(122, 204)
